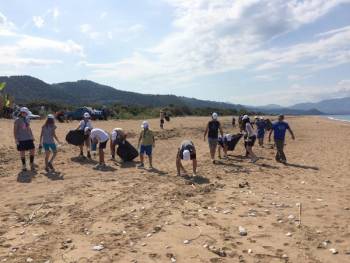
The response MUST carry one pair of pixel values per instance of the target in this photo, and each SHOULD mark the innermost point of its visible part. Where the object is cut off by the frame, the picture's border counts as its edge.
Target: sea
(345, 118)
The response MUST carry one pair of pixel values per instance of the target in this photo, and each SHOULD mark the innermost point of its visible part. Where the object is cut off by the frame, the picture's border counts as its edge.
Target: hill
(331, 106)
(27, 89)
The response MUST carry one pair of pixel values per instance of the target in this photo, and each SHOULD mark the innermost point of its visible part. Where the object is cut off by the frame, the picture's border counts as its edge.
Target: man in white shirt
(85, 124)
(100, 137)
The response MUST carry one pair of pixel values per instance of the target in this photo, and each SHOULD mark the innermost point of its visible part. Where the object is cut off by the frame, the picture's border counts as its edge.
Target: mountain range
(27, 89)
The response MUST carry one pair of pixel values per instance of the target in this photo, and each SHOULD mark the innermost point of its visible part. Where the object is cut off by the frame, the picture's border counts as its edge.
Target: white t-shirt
(249, 130)
(83, 125)
(99, 134)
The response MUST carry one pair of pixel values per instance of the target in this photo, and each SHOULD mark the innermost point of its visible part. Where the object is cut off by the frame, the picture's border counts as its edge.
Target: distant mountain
(84, 92)
(331, 106)
(274, 110)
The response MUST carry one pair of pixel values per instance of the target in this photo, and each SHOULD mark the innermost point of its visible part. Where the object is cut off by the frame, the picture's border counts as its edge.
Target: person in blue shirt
(260, 127)
(279, 129)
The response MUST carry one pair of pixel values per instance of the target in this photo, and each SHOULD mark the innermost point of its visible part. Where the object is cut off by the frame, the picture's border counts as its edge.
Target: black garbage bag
(126, 151)
(75, 137)
(235, 139)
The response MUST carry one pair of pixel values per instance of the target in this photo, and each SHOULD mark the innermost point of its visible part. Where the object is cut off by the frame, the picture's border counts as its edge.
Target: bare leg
(178, 166)
(142, 159)
(219, 152)
(81, 147)
(47, 156)
(101, 155)
(251, 153)
(194, 163)
(225, 150)
(150, 161)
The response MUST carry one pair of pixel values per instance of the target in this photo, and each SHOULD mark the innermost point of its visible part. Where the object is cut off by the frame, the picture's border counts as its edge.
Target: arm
(291, 133)
(56, 138)
(139, 142)
(31, 133)
(206, 131)
(41, 137)
(15, 132)
(221, 131)
(154, 142)
(270, 135)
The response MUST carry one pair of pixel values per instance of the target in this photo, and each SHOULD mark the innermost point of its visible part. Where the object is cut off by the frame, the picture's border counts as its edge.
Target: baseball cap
(186, 155)
(25, 110)
(50, 116)
(214, 115)
(245, 117)
(86, 115)
(145, 124)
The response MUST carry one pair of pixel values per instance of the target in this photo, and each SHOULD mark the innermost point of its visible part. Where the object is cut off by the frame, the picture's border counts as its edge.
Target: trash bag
(126, 151)
(234, 140)
(167, 118)
(75, 137)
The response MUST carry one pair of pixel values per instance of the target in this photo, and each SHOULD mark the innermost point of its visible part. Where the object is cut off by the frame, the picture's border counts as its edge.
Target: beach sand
(138, 215)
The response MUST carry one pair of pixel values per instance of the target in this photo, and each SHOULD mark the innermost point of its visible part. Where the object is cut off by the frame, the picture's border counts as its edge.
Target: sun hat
(186, 155)
(25, 110)
(214, 116)
(86, 115)
(145, 125)
(50, 116)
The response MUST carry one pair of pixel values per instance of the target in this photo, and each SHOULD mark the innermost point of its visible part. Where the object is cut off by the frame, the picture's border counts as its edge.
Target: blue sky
(252, 52)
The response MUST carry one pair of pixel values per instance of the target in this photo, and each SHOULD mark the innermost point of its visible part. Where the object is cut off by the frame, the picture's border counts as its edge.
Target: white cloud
(55, 12)
(38, 21)
(210, 37)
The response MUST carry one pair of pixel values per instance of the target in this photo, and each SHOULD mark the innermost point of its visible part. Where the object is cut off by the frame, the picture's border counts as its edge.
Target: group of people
(216, 137)
(97, 138)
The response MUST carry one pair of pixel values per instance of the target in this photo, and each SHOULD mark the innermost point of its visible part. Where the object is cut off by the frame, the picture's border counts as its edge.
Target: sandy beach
(126, 214)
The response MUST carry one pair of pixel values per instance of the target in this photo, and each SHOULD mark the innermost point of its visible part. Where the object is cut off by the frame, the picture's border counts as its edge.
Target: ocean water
(340, 117)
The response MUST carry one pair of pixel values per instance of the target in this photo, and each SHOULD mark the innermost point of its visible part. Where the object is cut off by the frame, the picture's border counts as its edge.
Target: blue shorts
(146, 149)
(261, 134)
(48, 146)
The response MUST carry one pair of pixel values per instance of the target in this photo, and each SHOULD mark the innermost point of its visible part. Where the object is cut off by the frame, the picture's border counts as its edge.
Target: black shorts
(25, 145)
(102, 145)
(162, 121)
(250, 141)
(192, 151)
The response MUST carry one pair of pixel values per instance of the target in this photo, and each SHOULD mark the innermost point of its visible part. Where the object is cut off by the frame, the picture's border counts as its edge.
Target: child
(118, 136)
(186, 152)
(24, 138)
(47, 140)
(147, 143)
(99, 136)
(83, 124)
(223, 141)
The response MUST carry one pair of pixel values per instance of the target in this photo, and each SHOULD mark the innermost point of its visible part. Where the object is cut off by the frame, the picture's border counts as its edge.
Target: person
(233, 122)
(47, 141)
(118, 136)
(98, 138)
(212, 130)
(279, 129)
(162, 117)
(260, 127)
(147, 142)
(24, 138)
(85, 123)
(186, 152)
(240, 123)
(223, 144)
(250, 138)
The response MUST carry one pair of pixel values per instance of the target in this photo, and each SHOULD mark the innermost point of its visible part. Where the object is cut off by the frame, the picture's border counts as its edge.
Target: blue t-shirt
(260, 125)
(279, 129)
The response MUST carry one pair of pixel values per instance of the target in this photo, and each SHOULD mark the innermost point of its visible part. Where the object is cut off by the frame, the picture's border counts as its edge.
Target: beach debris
(218, 251)
(143, 244)
(98, 247)
(284, 256)
(226, 211)
(291, 217)
(324, 244)
(333, 251)
(243, 184)
(242, 231)
(171, 256)
(149, 235)
(300, 208)
(30, 260)
(186, 241)
(289, 234)
(250, 251)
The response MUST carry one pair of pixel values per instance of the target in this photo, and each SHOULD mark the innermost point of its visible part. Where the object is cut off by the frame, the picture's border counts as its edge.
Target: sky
(252, 52)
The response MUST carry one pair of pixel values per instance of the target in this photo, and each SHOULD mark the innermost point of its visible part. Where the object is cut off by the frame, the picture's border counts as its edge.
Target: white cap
(245, 117)
(50, 116)
(86, 115)
(145, 125)
(186, 155)
(87, 129)
(256, 117)
(262, 117)
(25, 110)
(214, 115)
